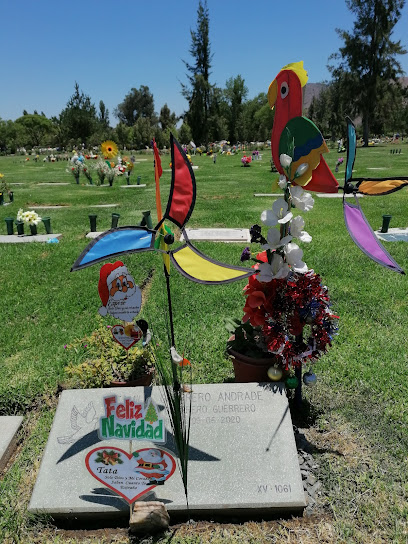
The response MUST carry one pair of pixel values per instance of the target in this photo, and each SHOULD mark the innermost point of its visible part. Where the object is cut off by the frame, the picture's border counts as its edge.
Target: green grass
(362, 390)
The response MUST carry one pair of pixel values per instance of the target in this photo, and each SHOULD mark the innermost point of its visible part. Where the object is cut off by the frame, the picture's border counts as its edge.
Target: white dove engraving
(81, 422)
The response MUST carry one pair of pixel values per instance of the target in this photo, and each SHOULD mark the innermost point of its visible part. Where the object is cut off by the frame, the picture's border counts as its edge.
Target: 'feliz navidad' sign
(130, 420)
(130, 475)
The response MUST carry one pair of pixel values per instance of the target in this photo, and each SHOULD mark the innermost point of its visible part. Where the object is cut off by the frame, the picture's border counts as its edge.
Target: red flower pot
(251, 369)
(144, 381)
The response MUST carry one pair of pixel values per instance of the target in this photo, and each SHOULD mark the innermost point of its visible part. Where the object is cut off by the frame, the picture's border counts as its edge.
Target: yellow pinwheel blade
(197, 267)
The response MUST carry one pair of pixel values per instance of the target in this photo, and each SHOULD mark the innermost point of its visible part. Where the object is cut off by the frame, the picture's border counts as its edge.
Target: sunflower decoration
(109, 149)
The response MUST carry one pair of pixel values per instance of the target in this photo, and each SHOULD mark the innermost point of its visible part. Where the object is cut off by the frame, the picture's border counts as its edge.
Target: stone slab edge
(132, 186)
(9, 427)
(14, 239)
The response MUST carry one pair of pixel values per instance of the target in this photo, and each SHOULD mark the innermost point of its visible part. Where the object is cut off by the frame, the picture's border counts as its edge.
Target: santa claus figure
(152, 465)
(120, 296)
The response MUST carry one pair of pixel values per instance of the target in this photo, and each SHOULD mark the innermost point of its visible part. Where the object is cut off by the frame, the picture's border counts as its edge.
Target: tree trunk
(365, 130)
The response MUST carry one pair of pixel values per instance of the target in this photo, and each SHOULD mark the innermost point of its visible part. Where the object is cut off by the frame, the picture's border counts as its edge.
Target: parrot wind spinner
(285, 95)
(290, 128)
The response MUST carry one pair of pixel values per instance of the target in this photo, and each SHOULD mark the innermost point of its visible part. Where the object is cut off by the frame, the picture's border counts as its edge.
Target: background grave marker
(218, 235)
(26, 239)
(9, 426)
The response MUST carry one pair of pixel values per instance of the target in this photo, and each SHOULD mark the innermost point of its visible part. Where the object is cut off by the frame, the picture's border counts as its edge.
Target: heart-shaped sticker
(130, 475)
(126, 335)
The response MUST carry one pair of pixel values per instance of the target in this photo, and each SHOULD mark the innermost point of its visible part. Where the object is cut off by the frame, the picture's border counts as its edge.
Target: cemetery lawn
(358, 417)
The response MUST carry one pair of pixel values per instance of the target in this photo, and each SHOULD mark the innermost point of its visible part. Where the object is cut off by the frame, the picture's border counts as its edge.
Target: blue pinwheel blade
(116, 242)
(351, 149)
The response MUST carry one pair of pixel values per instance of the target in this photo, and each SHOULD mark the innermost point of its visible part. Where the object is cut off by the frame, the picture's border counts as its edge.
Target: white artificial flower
(278, 214)
(280, 208)
(305, 237)
(276, 270)
(296, 226)
(280, 269)
(274, 240)
(285, 160)
(294, 255)
(29, 217)
(301, 169)
(283, 182)
(301, 200)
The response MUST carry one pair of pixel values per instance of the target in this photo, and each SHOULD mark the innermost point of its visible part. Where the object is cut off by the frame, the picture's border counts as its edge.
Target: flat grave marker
(268, 194)
(57, 207)
(27, 238)
(91, 235)
(243, 457)
(133, 186)
(393, 235)
(9, 426)
(104, 206)
(337, 195)
(54, 183)
(218, 235)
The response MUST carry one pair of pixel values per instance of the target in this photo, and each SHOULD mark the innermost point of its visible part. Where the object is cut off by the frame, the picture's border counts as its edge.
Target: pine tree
(235, 93)
(79, 118)
(198, 94)
(367, 63)
(151, 414)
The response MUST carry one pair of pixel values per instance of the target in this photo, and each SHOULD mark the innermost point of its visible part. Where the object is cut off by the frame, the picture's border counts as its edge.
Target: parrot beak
(272, 93)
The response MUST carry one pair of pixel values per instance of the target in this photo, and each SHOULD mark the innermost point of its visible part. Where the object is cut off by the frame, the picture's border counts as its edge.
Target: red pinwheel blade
(183, 188)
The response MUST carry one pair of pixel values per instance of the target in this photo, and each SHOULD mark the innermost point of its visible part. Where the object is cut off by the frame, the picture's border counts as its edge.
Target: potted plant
(98, 361)
(30, 218)
(101, 169)
(251, 362)
(76, 167)
(5, 190)
(287, 320)
(87, 174)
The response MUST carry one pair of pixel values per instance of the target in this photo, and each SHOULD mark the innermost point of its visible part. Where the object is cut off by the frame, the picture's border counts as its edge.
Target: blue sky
(110, 47)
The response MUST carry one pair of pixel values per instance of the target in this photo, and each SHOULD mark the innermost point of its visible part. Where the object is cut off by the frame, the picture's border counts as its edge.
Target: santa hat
(108, 273)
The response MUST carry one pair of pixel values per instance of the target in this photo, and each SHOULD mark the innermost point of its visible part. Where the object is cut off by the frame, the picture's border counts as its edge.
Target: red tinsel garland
(282, 307)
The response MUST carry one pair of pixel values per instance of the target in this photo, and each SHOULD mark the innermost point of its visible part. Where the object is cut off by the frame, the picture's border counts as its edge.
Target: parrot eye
(284, 90)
